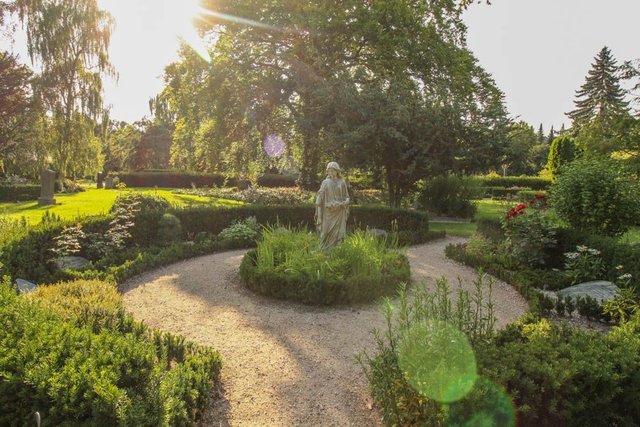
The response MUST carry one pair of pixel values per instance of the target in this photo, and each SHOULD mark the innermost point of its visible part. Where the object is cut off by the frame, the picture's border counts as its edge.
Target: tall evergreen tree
(601, 96)
(552, 135)
(541, 137)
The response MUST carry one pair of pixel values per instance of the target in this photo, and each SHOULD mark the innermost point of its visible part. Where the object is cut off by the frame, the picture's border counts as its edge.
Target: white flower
(593, 251)
(625, 276)
(619, 267)
(582, 248)
(571, 255)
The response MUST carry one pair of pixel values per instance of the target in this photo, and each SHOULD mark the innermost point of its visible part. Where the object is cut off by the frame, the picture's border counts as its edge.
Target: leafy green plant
(69, 241)
(596, 196)
(622, 307)
(584, 264)
(289, 264)
(529, 233)
(242, 233)
(169, 228)
(450, 196)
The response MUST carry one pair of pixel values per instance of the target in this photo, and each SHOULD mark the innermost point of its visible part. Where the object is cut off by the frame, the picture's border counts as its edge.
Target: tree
(15, 100)
(552, 135)
(521, 140)
(600, 97)
(541, 137)
(563, 151)
(631, 71)
(69, 39)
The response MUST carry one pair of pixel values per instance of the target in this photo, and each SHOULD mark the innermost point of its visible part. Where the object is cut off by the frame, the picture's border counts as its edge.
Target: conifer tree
(552, 135)
(541, 137)
(601, 96)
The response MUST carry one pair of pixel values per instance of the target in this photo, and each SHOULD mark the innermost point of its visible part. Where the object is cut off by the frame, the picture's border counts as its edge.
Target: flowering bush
(583, 265)
(528, 232)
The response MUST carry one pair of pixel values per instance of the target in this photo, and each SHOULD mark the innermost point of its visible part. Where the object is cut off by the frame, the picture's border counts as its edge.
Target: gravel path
(284, 364)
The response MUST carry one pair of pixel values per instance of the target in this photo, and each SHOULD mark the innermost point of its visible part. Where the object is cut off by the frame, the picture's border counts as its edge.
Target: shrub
(169, 228)
(142, 212)
(242, 233)
(561, 153)
(398, 400)
(19, 193)
(259, 195)
(596, 196)
(169, 179)
(450, 195)
(554, 376)
(532, 182)
(528, 232)
(74, 374)
(290, 265)
(584, 265)
(275, 180)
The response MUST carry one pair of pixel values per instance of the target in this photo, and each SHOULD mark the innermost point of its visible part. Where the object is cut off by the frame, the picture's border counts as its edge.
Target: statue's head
(333, 166)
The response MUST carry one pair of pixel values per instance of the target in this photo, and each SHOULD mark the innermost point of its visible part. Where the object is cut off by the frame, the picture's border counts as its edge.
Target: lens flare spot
(437, 360)
(487, 405)
(274, 146)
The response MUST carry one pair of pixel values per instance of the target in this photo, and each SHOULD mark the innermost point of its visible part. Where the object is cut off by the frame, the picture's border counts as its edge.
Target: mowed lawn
(95, 201)
(486, 209)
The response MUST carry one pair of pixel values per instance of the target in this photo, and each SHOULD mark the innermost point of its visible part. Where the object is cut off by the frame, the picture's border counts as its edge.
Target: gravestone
(100, 180)
(108, 182)
(48, 181)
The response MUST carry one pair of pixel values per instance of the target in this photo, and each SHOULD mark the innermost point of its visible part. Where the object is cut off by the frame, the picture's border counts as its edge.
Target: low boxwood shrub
(288, 264)
(169, 228)
(19, 193)
(95, 373)
(503, 192)
(532, 371)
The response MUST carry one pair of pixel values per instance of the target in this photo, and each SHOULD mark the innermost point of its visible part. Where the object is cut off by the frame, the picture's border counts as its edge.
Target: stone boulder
(600, 290)
(71, 262)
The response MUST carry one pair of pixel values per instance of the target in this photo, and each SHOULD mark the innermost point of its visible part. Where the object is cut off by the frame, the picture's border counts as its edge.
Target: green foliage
(170, 179)
(469, 313)
(529, 233)
(562, 152)
(258, 195)
(584, 265)
(169, 228)
(274, 180)
(290, 265)
(138, 214)
(69, 241)
(450, 195)
(565, 376)
(532, 182)
(18, 193)
(69, 355)
(596, 196)
(623, 306)
(242, 233)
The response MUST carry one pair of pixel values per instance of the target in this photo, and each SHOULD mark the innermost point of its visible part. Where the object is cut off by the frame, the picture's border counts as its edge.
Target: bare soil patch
(284, 363)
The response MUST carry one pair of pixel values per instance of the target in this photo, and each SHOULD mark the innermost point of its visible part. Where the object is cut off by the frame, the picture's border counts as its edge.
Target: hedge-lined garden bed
(180, 179)
(29, 254)
(289, 264)
(71, 353)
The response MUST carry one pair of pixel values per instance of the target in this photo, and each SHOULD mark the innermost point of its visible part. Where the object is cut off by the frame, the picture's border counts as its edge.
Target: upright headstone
(108, 182)
(48, 181)
(100, 180)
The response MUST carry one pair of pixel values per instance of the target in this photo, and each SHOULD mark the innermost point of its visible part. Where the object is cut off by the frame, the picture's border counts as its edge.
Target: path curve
(284, 364)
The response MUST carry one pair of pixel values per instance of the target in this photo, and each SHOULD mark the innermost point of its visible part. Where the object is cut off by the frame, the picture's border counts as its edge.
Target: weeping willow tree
(69, 41)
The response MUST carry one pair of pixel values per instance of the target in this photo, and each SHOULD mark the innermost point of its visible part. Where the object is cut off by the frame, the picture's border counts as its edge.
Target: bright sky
(538, 51)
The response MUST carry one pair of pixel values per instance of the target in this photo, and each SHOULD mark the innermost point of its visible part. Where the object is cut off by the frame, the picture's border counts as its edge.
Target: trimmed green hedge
(532, 182)
(170, 179)
(275, 180)
(96, 367)
(28, 255)
(19, 193)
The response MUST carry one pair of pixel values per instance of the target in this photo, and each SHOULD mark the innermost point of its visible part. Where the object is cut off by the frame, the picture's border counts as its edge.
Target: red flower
(521, 206)
(539, 196)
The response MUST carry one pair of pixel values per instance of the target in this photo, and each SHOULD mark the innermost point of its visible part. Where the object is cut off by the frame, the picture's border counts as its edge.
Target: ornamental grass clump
(289, 264)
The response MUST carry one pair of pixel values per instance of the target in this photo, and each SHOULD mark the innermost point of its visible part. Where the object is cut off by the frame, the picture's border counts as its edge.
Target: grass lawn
(96, 201)
(486, 209)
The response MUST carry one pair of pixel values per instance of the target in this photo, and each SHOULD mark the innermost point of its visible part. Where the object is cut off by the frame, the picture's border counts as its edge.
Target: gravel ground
(284, 364)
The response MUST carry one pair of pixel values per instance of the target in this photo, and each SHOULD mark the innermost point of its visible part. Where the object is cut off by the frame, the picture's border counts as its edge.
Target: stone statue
(332, 208)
